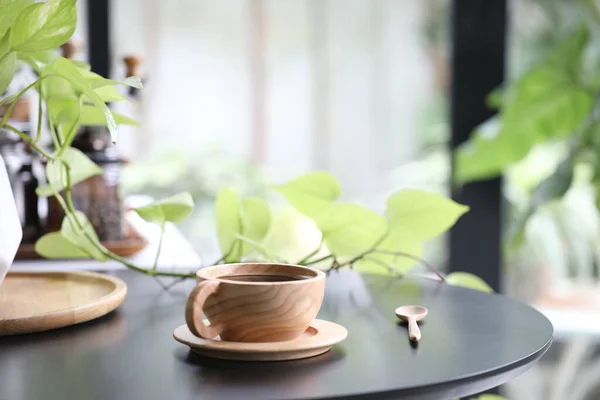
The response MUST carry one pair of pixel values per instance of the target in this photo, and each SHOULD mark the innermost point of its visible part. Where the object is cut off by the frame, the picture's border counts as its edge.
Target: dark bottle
(31, 218)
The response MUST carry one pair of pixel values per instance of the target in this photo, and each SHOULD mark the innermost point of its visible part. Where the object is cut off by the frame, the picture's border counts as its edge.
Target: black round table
(471, 342)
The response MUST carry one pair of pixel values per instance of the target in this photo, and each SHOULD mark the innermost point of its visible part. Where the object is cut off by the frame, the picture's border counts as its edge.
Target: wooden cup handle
(193, 310)
(414, 333)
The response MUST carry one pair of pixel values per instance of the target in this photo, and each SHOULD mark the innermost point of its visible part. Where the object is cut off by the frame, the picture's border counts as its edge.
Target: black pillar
(478, 58)
(99, 36)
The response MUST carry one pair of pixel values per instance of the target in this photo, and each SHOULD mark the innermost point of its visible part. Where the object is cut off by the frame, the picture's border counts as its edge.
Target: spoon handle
(414, 333)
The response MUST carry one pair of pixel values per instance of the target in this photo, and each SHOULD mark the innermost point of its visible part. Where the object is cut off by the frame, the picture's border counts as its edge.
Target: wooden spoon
(412, 314)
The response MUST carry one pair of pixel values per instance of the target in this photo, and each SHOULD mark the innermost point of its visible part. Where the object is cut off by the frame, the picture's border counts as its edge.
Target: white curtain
(296, 85)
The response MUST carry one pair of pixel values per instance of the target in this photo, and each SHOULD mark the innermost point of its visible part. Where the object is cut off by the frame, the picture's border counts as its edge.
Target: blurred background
(251, 93)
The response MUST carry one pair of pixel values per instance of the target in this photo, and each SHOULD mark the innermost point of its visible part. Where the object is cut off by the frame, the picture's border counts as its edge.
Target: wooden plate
(317, 339)
(40, 301)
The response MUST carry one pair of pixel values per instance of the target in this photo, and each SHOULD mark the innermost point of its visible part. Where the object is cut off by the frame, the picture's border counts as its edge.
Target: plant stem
(15, 97)
(257, 246)
(53, 133)
(68, 206)
(69, 209)
(162, 233)
(38, 133)
(364, 253)
(312, 254)
(412, 257)
(324, 258)
(383, 264)
(72, 131)
(28, 140)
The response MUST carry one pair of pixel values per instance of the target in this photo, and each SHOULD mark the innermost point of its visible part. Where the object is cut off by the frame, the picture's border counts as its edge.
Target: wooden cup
(257, 310)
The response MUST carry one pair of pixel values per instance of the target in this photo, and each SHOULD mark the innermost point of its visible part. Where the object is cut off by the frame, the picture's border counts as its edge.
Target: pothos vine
(331, 261)
(74, 96)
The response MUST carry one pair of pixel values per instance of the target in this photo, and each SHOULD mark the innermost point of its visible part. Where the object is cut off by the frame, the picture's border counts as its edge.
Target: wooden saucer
(40, 301)
(317, 339)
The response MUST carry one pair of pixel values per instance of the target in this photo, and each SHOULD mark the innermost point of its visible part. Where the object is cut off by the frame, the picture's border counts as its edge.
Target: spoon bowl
(412, 314)
(417, 312)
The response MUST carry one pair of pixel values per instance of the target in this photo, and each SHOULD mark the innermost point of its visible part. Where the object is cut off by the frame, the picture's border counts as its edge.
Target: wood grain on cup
(267, 311)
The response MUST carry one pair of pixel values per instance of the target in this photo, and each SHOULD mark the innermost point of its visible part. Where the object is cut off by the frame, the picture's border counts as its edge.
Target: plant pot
(10, 225)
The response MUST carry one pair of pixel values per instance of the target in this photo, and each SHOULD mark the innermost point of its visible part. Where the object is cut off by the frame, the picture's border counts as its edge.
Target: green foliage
(80, 166)
(241, 225)
(229, 224)
(555, 101)
(255, 218)
(43, 26)
(547, 103)
(487, 397)
(421, 215)
(93, 116)
(175, 209)
(350, 229)
(8, 62)
(71, 241)
(74, 96)
(78, 230)
(469, 281)
(37, 59)
(363, 239)
(312, 193)
(10, 11)
(66, 69)
(390, 262)
(55, 245)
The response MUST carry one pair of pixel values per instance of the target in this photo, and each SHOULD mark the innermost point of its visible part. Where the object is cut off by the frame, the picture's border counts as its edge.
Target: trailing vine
(351, 235)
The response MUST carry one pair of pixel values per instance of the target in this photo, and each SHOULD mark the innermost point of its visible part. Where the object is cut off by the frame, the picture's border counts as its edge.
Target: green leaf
(57, 88)
(81, 168)
(104, 87)
(8, 62)
(55, 245)
(82, 65)
(81, 239)
(467, 280)
(109, 94)
(420, 215)
(488, 152)
(553, 187)
(489, 397)
(229, 224)
(549, 102)
(174, 209)
(92, 116)
(97, 81)
(9, 11)
(37, 59)
(71, 73)
(567, 54)
(495, 98)
(349, 229)
(256, 220)
(312, 193)
(44, 26)
(63, 110)
(389, 264)
(554, 113)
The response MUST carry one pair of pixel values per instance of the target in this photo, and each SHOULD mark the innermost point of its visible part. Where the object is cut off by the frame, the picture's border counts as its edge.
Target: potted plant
(351, 235)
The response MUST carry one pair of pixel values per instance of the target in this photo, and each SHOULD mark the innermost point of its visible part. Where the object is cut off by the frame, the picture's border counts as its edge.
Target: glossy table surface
(471, 342)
